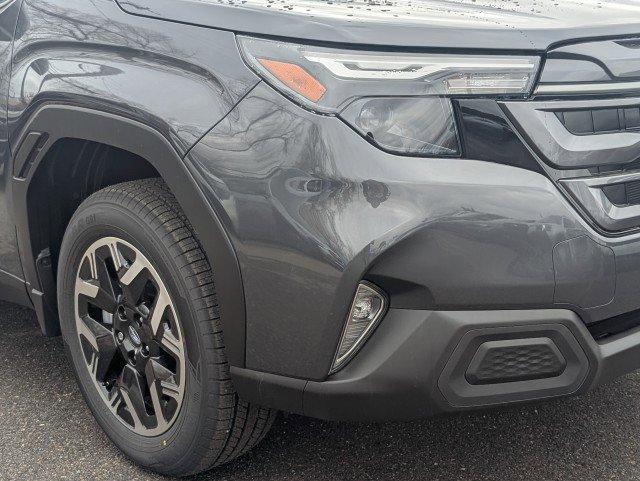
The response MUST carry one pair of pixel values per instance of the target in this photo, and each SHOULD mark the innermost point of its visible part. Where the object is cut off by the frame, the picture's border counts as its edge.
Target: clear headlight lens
(406, 125)
(398, 101)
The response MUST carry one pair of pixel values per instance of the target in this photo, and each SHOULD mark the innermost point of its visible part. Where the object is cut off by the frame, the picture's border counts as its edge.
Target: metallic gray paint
(180, 80)
(598, 268)
(478, 24)
(10, 266)
(617, 57)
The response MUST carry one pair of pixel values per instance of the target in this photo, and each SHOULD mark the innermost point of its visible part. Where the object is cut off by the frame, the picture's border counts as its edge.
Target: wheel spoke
(93, 264)
(137, 424)
(137, 277)
(158, 310)
(99, 288)
(107, 351)
(107, 281)
(171, 344)
(86, 333)
(116, 256)
(130, 384)
(157, 375)
(105, 301)
(170, 389)
(101, 340)
(115, 399)
(96, 295)
(89, 331)
(93, 364)
(132, 272)
(88, 289)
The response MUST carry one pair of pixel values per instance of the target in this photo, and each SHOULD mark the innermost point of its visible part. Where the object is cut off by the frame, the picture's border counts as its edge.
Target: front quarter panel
(175, 78)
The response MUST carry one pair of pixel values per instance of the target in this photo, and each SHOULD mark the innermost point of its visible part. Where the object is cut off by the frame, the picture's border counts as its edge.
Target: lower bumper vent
(515, 360)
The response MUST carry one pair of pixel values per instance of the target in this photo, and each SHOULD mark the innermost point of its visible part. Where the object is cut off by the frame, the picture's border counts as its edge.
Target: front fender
(179, 79)
(50, 123)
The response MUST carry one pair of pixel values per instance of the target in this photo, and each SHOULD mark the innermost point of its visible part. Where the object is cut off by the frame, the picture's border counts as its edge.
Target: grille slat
(633, 192)
(600, 121)
(624, 194)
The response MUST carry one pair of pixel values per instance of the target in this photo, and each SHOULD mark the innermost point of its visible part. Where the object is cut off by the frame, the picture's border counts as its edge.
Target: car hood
(479, 24)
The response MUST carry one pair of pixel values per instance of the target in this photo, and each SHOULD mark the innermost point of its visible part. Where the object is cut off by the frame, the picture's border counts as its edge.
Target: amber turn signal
(296, 78)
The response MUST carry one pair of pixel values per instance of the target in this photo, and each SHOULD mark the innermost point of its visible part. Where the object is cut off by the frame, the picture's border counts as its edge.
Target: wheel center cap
(134, 336)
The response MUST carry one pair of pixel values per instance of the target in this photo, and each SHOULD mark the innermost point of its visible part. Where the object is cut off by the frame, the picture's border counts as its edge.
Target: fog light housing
(367, 308)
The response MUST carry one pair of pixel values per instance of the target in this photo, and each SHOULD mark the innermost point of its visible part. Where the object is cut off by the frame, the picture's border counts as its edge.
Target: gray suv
(352, 210)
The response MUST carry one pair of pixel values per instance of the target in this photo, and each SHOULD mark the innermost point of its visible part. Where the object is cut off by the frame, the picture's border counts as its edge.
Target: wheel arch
(51, 123)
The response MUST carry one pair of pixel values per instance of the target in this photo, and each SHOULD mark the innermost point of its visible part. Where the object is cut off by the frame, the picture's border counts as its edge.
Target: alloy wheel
(130, 336)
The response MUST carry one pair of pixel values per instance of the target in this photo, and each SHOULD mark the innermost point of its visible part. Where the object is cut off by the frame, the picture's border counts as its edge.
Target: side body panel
(11, 285)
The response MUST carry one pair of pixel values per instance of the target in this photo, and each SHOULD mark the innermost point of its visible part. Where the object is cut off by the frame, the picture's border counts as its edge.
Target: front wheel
(140, 319)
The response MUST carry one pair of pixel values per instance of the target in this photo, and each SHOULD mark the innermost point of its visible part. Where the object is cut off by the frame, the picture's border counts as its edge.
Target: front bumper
(312, 208)
(418, 364)
(459, 245)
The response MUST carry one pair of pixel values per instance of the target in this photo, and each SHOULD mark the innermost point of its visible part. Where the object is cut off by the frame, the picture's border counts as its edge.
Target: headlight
(401, 102)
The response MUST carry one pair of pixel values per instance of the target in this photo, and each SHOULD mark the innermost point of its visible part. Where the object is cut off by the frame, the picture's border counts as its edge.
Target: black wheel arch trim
(57, 122)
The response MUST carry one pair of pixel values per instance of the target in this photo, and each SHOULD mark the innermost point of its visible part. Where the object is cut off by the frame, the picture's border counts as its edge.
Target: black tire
(213, 425)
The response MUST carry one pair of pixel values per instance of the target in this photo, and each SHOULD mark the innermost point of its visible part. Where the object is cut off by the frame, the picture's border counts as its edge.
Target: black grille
(600, 121)
(633, 192)
(627, 193)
